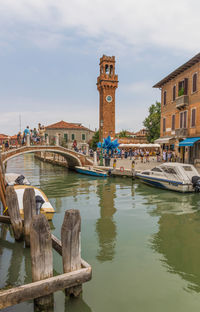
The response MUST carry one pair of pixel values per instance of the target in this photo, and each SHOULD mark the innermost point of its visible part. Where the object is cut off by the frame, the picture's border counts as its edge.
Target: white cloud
(172, 24)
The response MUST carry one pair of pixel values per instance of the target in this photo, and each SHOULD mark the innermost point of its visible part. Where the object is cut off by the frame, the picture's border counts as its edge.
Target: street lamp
(101, 151)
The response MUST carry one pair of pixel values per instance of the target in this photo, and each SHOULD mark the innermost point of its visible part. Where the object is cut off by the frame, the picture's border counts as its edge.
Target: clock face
(109, 98)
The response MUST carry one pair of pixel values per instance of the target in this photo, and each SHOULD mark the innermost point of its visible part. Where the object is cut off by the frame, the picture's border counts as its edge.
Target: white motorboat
(20, 183)
(172, 176)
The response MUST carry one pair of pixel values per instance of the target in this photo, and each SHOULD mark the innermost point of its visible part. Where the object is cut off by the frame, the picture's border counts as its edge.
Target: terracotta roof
(179, 70)
(66, 125)
(3, 136)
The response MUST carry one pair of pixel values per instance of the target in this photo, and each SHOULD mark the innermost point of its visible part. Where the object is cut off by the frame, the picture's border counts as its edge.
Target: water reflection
(76, 304)
(105, 226)
(178, 237)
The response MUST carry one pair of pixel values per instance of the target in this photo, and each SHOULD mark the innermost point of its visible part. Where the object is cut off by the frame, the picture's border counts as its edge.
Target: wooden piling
(41, 255)
(70, 240)
(29, 205)
(13, 210)
(47, 286)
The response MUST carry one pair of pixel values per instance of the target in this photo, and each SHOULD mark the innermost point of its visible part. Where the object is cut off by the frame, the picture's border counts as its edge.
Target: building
(134, 137)
(180, 111)
(68, 132)
(107, 83)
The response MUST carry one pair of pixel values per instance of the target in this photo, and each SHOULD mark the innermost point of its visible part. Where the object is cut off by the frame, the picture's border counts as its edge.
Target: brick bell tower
(107, 82)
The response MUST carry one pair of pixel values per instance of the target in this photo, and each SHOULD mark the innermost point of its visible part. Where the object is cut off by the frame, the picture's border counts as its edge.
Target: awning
(189, 141)
(162, 140)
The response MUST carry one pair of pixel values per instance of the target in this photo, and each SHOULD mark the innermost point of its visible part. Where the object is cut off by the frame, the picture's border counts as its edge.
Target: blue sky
(50, 50)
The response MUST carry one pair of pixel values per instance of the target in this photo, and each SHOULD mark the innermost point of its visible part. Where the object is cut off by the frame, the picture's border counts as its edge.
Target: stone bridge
(73, 158)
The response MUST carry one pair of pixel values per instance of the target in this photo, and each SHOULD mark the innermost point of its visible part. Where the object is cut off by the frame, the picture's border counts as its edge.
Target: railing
(181, 132)
(182, 101)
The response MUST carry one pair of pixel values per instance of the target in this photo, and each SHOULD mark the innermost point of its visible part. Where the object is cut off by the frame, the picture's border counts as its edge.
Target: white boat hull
(166, 184)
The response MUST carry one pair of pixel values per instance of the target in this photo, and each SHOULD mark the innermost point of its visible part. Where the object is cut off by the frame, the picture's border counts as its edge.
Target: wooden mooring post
(71, 250)
(41, 256)
(41, 242)
(29, 205)
(13, 210)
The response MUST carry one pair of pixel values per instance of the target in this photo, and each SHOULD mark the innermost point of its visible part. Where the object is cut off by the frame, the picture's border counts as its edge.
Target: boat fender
(20, 180)
(122, 169)
(39, 202)
(196, 183)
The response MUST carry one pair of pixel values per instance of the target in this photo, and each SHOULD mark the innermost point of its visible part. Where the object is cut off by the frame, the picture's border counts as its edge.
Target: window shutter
(193, 117)
(185, 86)
(174, 93)
(185, 119)
(181, 120)
(164, 126)
(194, 83)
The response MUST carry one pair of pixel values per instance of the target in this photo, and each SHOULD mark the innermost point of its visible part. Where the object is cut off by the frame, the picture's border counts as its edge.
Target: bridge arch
(73, 158)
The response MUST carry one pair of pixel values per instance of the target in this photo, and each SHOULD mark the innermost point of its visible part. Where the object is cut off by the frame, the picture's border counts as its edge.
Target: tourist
(6, 145)
(141, 155)
(42, 134)
(169, 155)
(147, 156)
(26, 132)
(19, 139)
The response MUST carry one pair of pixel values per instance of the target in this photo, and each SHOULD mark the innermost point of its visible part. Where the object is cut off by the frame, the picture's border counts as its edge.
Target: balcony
(181, 132)
(182, 101)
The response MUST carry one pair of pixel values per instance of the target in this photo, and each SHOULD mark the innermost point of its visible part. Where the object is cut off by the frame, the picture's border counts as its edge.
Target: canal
(143, 243)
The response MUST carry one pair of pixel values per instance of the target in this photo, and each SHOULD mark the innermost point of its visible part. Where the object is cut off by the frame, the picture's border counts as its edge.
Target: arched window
(107, 69)
(194, 83)
(111, 69)
(165, 98)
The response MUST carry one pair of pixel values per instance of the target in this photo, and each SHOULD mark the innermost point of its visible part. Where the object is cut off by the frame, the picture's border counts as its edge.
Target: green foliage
(181, 92)
(94, 141)
(123, 134)
(152, 122)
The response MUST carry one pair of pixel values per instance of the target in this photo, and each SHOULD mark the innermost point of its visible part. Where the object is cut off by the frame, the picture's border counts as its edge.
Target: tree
(123, 134)
(152, 122)
(94, 141)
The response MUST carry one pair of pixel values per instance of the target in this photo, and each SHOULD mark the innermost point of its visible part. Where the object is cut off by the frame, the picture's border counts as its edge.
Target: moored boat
(172, 176)
(91, 171)
(20, 183)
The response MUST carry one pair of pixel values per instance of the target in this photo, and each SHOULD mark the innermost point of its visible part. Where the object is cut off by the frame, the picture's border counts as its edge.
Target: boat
(92, 171)
(172, 176)
(20, 183)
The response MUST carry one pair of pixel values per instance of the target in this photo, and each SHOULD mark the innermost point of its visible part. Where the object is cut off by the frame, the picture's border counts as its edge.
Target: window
(183, 87)
(183, 120)
(173, 122)
(164, 124)
(66, 137)
(194, 83)
(73, 136)
(83, 136)
(193, 117)
(156, 169)
(174, 93)
(165, 98)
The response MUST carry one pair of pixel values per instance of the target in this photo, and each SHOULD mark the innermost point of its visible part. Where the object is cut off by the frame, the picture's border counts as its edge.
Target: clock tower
(107, 82)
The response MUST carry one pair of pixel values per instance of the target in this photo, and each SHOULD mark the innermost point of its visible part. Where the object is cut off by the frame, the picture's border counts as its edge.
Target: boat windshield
(156, 169)
(169, 170)
(187, 168)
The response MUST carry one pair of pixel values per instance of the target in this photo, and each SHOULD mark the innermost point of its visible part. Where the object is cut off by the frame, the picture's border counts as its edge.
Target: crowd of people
(37, 136)
(142, 155)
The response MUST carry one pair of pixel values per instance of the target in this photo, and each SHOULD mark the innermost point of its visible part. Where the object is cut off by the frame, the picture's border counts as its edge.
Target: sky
(50, 51)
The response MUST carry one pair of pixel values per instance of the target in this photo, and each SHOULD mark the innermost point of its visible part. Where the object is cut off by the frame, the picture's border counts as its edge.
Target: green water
(143, 243)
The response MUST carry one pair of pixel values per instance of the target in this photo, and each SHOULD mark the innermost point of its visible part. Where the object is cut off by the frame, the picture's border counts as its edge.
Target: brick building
(68, 132)
(180, 111)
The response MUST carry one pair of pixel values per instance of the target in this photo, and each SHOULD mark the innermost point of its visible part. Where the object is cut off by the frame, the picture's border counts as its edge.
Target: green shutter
(66, 137)
(83, 136)
(73, 137)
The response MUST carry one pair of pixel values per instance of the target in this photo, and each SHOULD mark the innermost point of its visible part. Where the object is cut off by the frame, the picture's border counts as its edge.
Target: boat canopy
(189, 141)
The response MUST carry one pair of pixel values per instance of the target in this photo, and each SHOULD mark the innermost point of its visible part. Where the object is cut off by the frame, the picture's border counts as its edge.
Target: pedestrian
(26, 132)
(19, 139)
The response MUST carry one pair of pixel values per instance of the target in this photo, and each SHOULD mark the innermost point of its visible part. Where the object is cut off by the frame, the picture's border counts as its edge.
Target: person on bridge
(26, 132)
